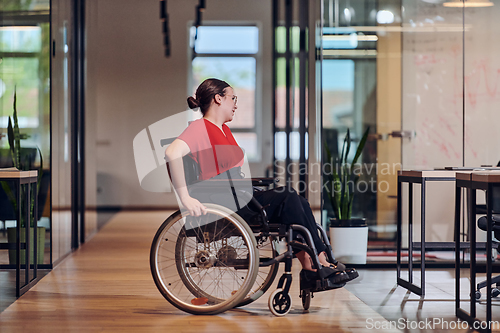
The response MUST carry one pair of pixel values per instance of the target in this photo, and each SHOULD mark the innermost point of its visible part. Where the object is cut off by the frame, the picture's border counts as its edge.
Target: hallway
(106, 286)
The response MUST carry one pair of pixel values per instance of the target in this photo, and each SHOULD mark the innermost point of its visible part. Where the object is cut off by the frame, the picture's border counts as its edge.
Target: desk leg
(472, 233)
(410, 232)
(18, 240)
(458, 198)
(489, 206)
(422, 238)
(35, 230)
(399, 231)
(27, 242)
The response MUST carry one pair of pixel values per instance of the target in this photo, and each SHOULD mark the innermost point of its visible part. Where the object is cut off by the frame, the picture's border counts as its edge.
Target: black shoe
(310, 280)
(334, 274)
(351, 272)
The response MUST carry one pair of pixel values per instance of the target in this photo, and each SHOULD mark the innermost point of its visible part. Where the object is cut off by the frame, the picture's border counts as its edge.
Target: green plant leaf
(345, 167)
(336, 193)
(351, 199)
(17, 136)
(361, 146)
(10, 134)
(40, 170)
(341, 162)
(348, 139)
(10, 137)
(342, 196)
(333, 177)
(21, 163)
(343, 191)
(14, 136)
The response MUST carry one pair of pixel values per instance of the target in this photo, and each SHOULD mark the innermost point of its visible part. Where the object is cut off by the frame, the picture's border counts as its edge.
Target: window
(280, 136)
(24, 66)
(230, 53)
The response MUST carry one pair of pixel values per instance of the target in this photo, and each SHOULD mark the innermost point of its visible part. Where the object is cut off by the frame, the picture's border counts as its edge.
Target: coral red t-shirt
(214, 151)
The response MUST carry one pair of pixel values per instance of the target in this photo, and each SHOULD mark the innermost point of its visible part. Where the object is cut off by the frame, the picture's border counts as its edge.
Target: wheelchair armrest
(264, 181)
(216, 183)
(223, 182)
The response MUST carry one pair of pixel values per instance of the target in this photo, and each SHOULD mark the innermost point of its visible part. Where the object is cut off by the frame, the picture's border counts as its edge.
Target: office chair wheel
(478, 295)
(305, 295)
(265, 275)
(495, 292)
(279, 303)
(205, 264)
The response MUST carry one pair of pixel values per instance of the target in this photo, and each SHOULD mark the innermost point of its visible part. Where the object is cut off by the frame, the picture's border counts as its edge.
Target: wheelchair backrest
(191, 168)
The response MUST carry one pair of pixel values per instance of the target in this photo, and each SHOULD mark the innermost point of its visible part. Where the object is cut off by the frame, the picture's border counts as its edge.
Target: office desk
(473, 181)
(416, 177)
(27, 179)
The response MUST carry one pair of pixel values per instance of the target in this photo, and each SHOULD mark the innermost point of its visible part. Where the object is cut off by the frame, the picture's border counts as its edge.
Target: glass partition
(62, 120)
(24, 86)
(25, 73)
(482, 84)
(432, 50)
(361, 90)
(423, 76)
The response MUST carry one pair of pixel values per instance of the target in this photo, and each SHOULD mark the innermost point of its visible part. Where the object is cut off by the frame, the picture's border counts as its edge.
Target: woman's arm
(173, 155)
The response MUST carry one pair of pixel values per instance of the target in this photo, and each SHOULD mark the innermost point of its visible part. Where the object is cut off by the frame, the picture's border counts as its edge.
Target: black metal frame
(472, 187)
(287, 6)
(78, 127)
(303, 72)
(288, 82)
(408, 284)
(28, 181)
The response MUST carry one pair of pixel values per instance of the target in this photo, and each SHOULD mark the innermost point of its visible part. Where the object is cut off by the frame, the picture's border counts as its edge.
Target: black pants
(287, 207)
(284, 206)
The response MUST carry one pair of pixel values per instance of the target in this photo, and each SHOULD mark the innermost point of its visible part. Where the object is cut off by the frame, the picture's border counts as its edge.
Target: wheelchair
(225, 259)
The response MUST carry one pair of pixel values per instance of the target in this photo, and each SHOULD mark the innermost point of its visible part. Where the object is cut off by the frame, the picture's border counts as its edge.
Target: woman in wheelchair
(210, 143)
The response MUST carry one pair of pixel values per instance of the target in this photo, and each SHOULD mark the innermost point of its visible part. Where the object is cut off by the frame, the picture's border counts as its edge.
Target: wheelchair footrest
(319, 285)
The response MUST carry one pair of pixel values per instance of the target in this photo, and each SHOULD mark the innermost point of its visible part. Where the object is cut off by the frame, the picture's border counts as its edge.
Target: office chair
(483, 225)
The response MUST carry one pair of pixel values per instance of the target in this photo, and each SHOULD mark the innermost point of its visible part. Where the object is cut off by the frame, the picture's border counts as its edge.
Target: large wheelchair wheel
(266, 274)
(205, 264)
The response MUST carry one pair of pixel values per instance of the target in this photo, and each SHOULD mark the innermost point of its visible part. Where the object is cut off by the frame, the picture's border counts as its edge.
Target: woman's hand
(194, 207)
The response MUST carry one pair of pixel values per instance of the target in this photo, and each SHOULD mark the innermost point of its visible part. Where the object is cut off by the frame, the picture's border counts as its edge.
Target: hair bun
(193, 103)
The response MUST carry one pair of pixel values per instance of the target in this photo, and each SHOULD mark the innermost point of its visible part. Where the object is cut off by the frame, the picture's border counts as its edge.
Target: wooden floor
(106, 286)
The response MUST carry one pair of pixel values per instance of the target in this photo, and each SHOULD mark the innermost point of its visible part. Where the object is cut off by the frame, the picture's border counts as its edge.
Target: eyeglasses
(234, 98)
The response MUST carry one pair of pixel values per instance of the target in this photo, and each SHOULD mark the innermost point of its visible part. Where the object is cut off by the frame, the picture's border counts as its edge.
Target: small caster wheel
(305, 295)
(495, 292)
(478, 295)
(279, 303)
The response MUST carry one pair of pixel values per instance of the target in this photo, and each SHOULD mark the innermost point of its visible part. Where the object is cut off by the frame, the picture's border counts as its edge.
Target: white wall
(134, 85)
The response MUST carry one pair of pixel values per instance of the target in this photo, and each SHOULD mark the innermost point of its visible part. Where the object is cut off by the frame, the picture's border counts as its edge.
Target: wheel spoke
(199, 258)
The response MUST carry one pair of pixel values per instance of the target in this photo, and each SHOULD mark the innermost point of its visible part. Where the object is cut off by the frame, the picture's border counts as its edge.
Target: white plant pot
(349, 244)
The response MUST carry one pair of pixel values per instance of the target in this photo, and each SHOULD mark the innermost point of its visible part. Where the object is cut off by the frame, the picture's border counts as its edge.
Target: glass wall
(25, 73)
(423, 75)
(62, 107)
(482, 85)
(361, 84)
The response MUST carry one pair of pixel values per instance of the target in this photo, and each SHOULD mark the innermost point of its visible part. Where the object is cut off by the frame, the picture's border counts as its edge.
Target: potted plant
(348, 235)
(22, 161)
